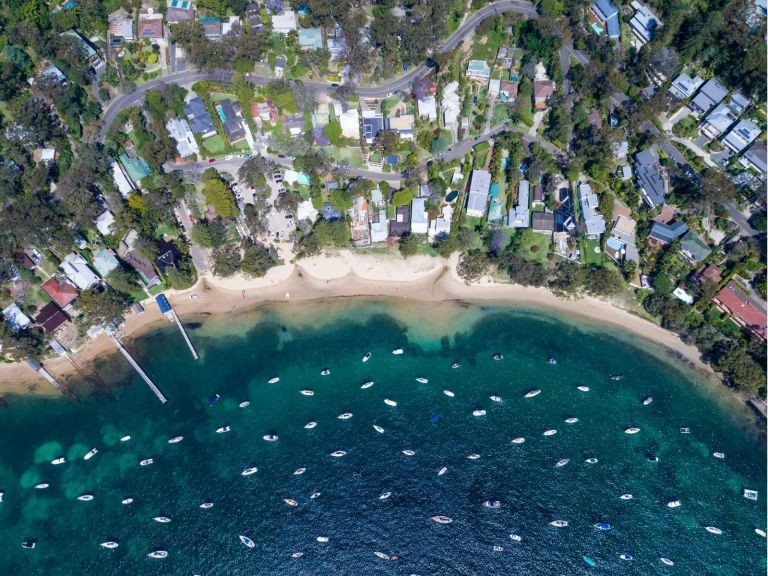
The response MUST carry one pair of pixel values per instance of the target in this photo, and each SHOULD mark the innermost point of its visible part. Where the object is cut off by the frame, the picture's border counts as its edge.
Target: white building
(419, 218)
(123, 183)
(643, 24)
(742, 135)
(350, 123)
(441, 226)
(520, 215)
(684, 86)
(179, 130)
(15, 318)
(428, 108)
(76, 268)
(306, 211)
(479, 185)
(589, 204)
(285, 22)
(451, 104)
(105, 223)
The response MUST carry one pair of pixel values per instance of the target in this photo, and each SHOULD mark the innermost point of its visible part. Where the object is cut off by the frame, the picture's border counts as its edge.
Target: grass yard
(215, 144)
(534, 247)
(241, 146)
(388, 104)
(219, 96)
(487, 47)
(588, 253)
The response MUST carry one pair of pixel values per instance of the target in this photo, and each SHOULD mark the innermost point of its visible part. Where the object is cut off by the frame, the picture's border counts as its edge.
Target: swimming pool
(614, 243)
(220, 112)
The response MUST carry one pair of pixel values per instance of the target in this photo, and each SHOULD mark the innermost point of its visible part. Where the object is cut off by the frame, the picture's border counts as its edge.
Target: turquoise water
(239, 355)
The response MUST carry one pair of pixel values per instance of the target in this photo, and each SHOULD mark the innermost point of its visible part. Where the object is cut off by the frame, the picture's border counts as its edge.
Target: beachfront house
(742, 309)
(50, 317)
(519, 216)
(604, 19)
(105, 262)
(76, 269)
(15, 318)
(360, 222)
(441, 226)
(419, 218)
(401, 223)
(62, 292)
(479, 186)
(543, 223)
(594, 223)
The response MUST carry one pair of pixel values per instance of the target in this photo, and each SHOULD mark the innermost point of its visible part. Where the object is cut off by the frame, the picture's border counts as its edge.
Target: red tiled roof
(63, 293)
(50, 317)
(742, 308)
(711, 272)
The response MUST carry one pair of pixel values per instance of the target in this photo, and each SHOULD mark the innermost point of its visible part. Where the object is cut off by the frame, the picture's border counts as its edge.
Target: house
(710, 95)
(104, 261)
(127, 243)
(379, 225)
(403, 125)
(373, 123)
(15, 318)
(148, 274)
(604, 18)
(199, 120)
(427, 108)
(336, 44)
(756, 158)
(253, 16)
(232, 26)
(737, 102)
(621, 244)
(710, 274)
(479, 185)
(44, 155)
(136, 168)
(718, 121)
(52, 74)
(150, 26)
(684, 86)
(229, 112)
(508, 90)
(179, 130)
(284, 22)
(295, 125)
(652, 179)
(694, 248)
(179, 11)
(280, 64)
(643, 24)
(212, 28)
(662, 234)
(733, 301)
(543, 222)
(50, 317)
(542, 92)
(168, 256)
(419, 218)
(401, 223)
(120, 28)
(265, 110)
(588, 202)
(89, 51)
(350, 123)
(494, 87)
(329, 212)
(76, 268)
(359, 222)
(441, 226)
(105, 223)
(311, 38)
(520, 216)
(742, 135)
(682, 295)
(61, 291)
(478, 70)
(565, 221)
(306, 211)
(451, 104)
(537, 196)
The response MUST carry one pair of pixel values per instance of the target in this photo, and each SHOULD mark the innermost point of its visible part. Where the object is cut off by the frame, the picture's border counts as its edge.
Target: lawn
(215, 144)
(219, 96)
(588, 253)
(487, 48)
(388, 104)
(534, 247)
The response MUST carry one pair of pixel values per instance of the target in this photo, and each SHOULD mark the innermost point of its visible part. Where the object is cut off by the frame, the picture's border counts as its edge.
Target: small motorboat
(299, 471)
(474, 457)
(109, 544)
(28, 544)
(667, 561)
(551, 361)
(90, 454)
(515, 538)
(381, 555)
(498, 357)
(322, 539)
(632, 430)
(602, 526)
(591, 460)
(617, 377)
(719, 455)
(213, 399)
(42, 486)
(562, 462)
(456, 365)
(397, 351)
(378, 429)
(270, 437)
(685, 430)
(206, 505)
(158, 554)
(713, 530)
(583, 388)
(290, 501)
(325, 372)
(307, 392)
(625, 556)
(571, 420)
(653, 458)
(449, 393)
(345, 416)
(1, 496)
(589, 560)
(58, 461)
(314, 495)
(498, 548)
(442, 471)
(366, 356)
(244, 404)
(175, 439)
(495, 398)
(297, 554)
(409, 452)
(532, 393)
(626, 496)
(518, 440)
(385, 495)
(127, 501)
(85, 497)
(366, 385)
(338, 453)
(310, 425)
(125, 438)
(647, 400)
(479, 412)
(247, 541)
(249, 471)
(273, 380)
(559, 523)
(422, 380)
(750, 494)
(146, 461)
(223, 429)
(442, 519)
(760, 532)
(674, 504)
(389, 402)
(493, 504)
(162, 519)
(550, 432)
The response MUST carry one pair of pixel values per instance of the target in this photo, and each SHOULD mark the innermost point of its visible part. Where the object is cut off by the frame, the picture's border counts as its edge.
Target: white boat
(90, 454)
(1, 496)
(719, 455)
(652, 458)
(626, 496)
(127, 501)
(750, 494)
(674, 504)
(442, 471)
(307, 392)
(562, 462)
(109, 544)
(247, 541)
(385, 495)
(206, 505)
(685, 430)
(591, 460)
(713, 530)
(498, 548)
(338, 453)
(479, 413)
(442, 519)
(550, 432)
(158, 554)
(290, 501)
(515, 538)
(147, 462)
(297, 554)
(223, 429)
(299, 471)
(496, 398)
(409, 452)
(498, 356)
(474, 456)
(449, 393)
(249, 471)
(381, 555)
(397, 351)
(322, 539)
(175, 439)
(632, 430)
(760, 532)
(571, 420)
(378, 429)
(28, 544)
(422, 380)
(647, 400)
(345, 416)
(625, 556)
(314, 495)
(518, 440)
(493, 504)
(310, 425)
(58, 461)
(366, 356)
(559, 523)
(274, 380)
(366, 385)
(161, 519)
(583, 388)
(42, 486)
(244, 404)
(532, 393)
(456, 365)
(667, 561)
(389, 402)
(325, 372)
(85, 497)
(125, 438)
(270, 437)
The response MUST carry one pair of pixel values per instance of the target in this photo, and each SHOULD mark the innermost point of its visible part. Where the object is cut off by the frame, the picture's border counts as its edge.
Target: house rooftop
(666, 233)
(742, 308)
(543, 221)
(50, 317)
(684, 86)
(61, 291)
(710, 94)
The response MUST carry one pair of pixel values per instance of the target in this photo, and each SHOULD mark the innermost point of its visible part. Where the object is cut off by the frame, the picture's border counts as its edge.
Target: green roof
(137, 168)
(694, 246)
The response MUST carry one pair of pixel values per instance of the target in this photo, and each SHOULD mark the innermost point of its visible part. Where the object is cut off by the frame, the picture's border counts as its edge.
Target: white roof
(306, 211)
(682, 295)
(350, 123)
(451, 104)
(419, 219)
(284, 23)
(104, 223)
(684, 86)
(16, 319)
(226, 24)
(180, 131)
(742, 135)
(47, 154)
(428, 107)
(588, 202)
(478, 192)
(441, 226)
(380, 229)
(76, 269)
(122, 182)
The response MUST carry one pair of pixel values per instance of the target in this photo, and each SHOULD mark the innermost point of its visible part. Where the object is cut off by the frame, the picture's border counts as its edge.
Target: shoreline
(340, 275)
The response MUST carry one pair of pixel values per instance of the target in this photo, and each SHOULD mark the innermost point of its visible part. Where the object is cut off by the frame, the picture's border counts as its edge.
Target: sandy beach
(345, 274)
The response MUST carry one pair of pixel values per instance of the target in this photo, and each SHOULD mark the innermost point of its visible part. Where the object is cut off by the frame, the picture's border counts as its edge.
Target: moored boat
(713, 530)
(571, 420)
(495, 398)
(532, 393)
(674, 504)
(58, 461)
(559, 523)
(146, 461)
(299, 471)
(244, 404)
(409, 452)
(125, 438)
(307, 392)
(162, 519)
(28, 544)
(127, 501)
(345, 416)
(551, 432)
(474, 456)
(422, 380)
(109, 544)
(389, 402)
(366, 385)
(325, 372)
(397, 351)
(247, 541)
(647, 400)
(583, 388)
(175, 439)
(493, 504)
(249, 471)
(442, 471)
(456, 365)
(270, 437)
(223, 429)
(666, 561)
(449, 393)
(85, 497)
(479, 412)
(42, 485)
(158, 554)
(322, 539)
(366, 356)
(562, 462)
(719, 455)
(591, 460)
(206, 505)
(338, 453)
(310, 425)
(602, 526)
(213, 399)
(378, 429)
(90, 454)
(631, 430)
(290, 501)
(442, 519)
(518, 440)
(273, 380)
(626, 496)
(750, 494)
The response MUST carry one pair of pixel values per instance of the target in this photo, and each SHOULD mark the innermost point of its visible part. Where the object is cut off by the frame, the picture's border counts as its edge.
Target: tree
(103, 307)
(257, 260)
(409, 244)
(333, 132)
(603, 282)
(123, 280)
(388, 141)
(568, 277)
(740, 369)
(522, 271)
(663, 283)
(255, 168)
(210, 233)
(220, 197)
(226, 260)
(402, 197)
(473, 265)
(716, 187)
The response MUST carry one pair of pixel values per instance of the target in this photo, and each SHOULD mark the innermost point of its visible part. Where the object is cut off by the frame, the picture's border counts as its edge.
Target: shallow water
(239, 355)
